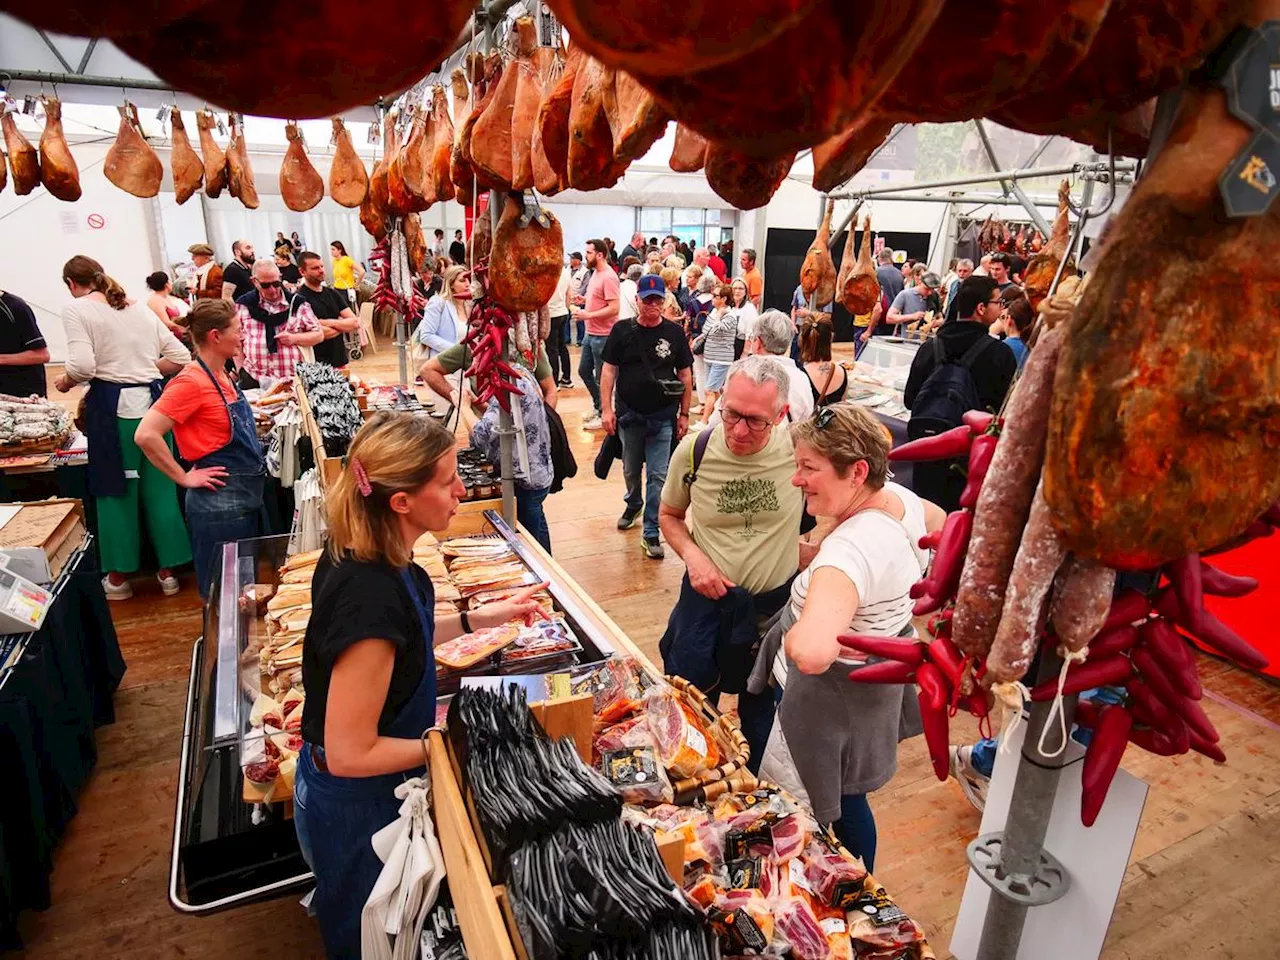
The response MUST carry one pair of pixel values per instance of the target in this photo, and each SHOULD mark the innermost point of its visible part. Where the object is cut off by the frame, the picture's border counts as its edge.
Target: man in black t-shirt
(649, 362)
(330, 307)
(237, 275)
(458, 249)
(23, 352)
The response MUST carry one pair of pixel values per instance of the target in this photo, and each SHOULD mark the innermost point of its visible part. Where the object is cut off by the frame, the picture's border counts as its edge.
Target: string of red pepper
(1142, 646)
(488, 326)
(384, 294)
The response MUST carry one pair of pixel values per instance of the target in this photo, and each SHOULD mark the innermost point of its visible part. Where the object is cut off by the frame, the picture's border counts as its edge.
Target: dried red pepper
(933, 715)
(1104, 672)
(942, 446)
(948, 561)
(1102, 760)
(1219, 583)
(980, 456)
(885, 671)
(1168, 647)
(978, 421)
(891, 648)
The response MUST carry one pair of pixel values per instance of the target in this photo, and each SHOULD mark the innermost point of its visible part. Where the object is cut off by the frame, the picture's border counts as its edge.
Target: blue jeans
(582, 331)
(529, 512)
(645, 446)
(590, 365)
(856, 828)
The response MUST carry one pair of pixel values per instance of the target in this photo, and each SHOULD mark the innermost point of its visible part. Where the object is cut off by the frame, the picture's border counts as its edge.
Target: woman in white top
(842, 737)
(740, 303)
(164, 304)
(627, 290)
(122, 350)
(444, 321)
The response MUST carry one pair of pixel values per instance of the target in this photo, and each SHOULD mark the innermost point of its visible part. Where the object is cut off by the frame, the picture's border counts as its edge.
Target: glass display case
(229, 848)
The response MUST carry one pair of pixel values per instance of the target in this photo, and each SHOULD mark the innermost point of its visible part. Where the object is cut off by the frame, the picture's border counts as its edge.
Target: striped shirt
(719, 332)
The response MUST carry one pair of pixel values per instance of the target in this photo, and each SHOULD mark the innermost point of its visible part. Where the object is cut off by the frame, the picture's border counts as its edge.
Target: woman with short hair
(841, 738)
(367, 660)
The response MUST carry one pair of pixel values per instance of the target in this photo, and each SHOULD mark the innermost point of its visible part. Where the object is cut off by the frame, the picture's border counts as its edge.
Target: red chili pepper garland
(1138, 647)
(488, 327)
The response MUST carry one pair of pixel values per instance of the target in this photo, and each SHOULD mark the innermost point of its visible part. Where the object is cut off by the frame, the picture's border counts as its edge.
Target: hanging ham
(836, 161)
(58, 171)
(818, 272)
(24, 162)
(636, 119)
(131, 164)
(415, 242)
(300, 185)
(552, 124)
(857, 288)
(1044, 265)
(524, 111)
(184, 163)
(689, 153)
(379, 197)
(492, 139)
(591, 163)
(239, 173)
(215, 158)
(744, 181)
(677, 38)
(441, 147)
(225, 51)
(526, 261)
(545, 176)
(1164, 424)
(414, 155)
(480, 244)
(348, 179)
(459, 176)
(481, 97)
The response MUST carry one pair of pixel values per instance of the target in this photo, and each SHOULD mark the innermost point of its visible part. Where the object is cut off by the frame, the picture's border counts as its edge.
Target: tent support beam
(1123, 166)
(54, 50)
(83, 65)
(1010, 186)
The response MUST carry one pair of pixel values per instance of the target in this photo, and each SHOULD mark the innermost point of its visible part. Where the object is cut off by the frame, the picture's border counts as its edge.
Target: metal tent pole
(506, 425)
(1010, 186)
(1125, 166)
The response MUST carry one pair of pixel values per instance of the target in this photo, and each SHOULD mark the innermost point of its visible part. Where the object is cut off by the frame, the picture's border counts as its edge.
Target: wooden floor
(1202, 882)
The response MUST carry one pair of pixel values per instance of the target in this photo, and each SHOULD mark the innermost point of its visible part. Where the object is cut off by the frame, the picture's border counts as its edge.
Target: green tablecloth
(50, 704)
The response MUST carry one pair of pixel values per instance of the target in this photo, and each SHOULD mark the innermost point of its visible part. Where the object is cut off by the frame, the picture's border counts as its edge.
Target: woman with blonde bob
(368, 664)
(840, 739)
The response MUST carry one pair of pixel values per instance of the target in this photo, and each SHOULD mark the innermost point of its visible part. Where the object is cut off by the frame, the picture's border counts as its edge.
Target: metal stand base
(1048, 883)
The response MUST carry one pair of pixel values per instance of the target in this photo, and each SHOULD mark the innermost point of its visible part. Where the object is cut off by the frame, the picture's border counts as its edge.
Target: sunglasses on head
(267, 284)
(824, 417)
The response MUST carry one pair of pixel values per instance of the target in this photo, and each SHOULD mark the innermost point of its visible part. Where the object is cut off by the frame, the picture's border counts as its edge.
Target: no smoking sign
(96, 221)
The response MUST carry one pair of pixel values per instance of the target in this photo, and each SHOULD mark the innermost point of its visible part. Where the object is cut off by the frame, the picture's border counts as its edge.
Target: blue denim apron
(336, 817)
(235, 511)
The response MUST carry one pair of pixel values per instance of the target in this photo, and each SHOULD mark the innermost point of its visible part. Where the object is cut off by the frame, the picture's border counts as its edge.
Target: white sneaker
(168, 585)
(595, 423)
(113, 591)
(971, 781)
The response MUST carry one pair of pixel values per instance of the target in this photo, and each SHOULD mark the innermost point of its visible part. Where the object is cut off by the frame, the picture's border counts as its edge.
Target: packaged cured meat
(632, 732)
(877, 923)
(544, 601)
(837, 880)
(683, 741)
(798, 928)
(614, 687)
(469, 649)
(637, 774)
(789, 837)
(476, 547)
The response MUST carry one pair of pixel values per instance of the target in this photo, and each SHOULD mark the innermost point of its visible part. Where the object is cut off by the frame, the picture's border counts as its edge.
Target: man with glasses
(272, 339)
(729, 510)
(961, 343)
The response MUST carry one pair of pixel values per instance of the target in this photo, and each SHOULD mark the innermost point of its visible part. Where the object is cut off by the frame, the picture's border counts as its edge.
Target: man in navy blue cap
(649, 362)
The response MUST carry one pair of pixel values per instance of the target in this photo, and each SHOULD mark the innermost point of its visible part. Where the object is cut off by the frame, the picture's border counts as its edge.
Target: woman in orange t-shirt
(213, 426)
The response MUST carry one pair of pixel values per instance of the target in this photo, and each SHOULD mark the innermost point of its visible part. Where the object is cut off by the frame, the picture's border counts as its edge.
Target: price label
(1252, 81)
(1249, 183)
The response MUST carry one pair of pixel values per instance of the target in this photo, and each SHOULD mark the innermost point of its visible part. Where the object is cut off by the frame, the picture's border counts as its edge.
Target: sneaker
(695, 409)
(169, 585)
(595, 423)
(971, 781)
(653, 548)
(565, 384)
(113, 591)
(628, 519)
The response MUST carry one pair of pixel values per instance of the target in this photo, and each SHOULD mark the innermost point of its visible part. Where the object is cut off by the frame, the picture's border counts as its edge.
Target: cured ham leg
(552, 124)
(525, 263)
(1044, 265)
(591, 163)
(493, 136)
(818, 272)
(838, 160)
(857, 286)
(300, 185)
(459, 175)
(636, 119)
(441, 146)
(131, 164)
(744, 181)
(524, 115)
(414, 156)
(1164, 436)
(348, 179)
(689, 154)
(58, 171)
(24, 162)
(215, 158)
(239, 172)
(184, 162)
(487, 89)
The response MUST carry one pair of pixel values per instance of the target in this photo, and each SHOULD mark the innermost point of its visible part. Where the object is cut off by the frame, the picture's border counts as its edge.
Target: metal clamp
(1050, 882)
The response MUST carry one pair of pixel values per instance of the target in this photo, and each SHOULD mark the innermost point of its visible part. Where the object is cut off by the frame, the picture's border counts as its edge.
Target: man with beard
(330, 307)
(237, 275)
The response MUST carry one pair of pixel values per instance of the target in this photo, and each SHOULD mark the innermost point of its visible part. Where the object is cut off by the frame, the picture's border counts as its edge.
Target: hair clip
(362, 478)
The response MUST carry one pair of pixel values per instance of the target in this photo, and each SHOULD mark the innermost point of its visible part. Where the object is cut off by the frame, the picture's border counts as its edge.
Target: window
(695, 226)
(655, 221)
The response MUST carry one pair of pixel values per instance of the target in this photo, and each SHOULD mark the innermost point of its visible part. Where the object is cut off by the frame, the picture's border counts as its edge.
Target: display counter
(227, 851)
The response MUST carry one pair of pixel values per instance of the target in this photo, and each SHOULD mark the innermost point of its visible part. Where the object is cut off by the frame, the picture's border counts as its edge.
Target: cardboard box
(37, 539)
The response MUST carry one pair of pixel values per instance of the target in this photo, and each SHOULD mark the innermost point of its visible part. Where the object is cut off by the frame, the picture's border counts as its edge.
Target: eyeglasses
(732, 418)
(824, 417)
(997, 302)
(270, 284)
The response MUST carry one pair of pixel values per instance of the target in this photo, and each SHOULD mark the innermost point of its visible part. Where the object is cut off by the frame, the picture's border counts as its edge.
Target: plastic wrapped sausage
(1039, 556)
(1081, 602)
(1005, 501)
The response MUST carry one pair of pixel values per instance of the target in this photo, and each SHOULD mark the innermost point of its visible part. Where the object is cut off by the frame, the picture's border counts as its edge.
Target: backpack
(696, 453)
(947, 393)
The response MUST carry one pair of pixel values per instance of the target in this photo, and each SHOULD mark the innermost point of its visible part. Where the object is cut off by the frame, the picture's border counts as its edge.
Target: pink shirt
(604, 286)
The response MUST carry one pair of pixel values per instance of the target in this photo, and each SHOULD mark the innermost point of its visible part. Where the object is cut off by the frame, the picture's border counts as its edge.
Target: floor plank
(1205, 867)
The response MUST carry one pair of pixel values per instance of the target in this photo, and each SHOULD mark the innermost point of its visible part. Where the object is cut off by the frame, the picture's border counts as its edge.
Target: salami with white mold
(1081, 602)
